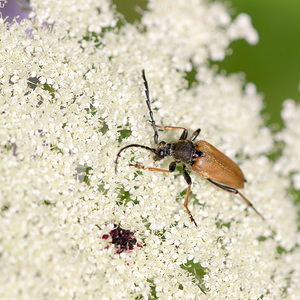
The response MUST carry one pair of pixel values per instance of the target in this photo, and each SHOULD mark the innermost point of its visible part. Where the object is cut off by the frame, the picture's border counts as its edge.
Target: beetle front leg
(138, 166)
(183, 135)
(195, 134)
(172, 167)
(186, 199)
(234, 191)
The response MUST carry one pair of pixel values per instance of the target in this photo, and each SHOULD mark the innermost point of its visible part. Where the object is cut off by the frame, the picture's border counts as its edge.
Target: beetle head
(162, 150)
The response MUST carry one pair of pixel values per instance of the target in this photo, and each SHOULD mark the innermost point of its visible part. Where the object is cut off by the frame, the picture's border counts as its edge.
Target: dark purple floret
(105, 236)
(122, 238)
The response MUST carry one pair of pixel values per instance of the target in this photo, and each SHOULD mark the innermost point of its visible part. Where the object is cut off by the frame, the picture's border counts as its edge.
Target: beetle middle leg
(186, 199)
(187, 178)
(234, 191)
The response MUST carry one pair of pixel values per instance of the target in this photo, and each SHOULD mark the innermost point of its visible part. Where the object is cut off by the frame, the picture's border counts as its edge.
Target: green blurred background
(274, 63)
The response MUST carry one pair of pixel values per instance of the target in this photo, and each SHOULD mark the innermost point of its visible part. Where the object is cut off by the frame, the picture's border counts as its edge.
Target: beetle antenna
(149, 107)
(129, 146)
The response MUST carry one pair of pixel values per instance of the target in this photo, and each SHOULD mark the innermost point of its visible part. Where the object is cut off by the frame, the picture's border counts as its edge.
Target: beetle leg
(183, 135)
(138, 166)
(186, 200)
(234, 191)
(195, 134)
(172, 167)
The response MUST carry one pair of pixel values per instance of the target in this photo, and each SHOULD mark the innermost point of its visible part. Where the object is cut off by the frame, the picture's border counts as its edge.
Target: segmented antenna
(129, 146)
(149, 107)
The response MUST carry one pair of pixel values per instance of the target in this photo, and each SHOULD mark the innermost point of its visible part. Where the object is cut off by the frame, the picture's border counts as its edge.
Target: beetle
(201, 157)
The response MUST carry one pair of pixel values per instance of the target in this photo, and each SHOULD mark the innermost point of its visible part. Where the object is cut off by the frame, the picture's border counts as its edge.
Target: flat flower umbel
(71, 95)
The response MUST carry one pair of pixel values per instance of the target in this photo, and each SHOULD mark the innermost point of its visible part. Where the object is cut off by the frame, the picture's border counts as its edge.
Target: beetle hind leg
(250, 205)
(235, 191)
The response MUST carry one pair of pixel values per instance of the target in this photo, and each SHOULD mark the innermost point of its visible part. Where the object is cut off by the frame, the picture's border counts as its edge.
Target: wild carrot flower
(72, 95)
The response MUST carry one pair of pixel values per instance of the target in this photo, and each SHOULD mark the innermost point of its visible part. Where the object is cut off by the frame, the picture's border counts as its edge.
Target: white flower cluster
(290, 136)
(71, 96)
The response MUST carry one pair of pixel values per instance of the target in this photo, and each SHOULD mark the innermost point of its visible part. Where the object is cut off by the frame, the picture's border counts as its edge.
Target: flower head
(71, 96)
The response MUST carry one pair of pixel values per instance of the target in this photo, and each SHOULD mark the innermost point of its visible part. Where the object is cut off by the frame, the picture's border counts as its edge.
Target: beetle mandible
(200, 156)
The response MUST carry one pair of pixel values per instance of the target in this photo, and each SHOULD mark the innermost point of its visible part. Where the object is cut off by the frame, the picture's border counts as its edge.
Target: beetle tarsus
(193, 220)
(251, 205)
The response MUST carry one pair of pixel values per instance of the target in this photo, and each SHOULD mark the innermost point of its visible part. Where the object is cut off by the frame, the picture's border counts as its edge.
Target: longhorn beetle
(201, 157)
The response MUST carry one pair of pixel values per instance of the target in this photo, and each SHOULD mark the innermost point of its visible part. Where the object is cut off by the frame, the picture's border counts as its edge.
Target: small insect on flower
(201, 157)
